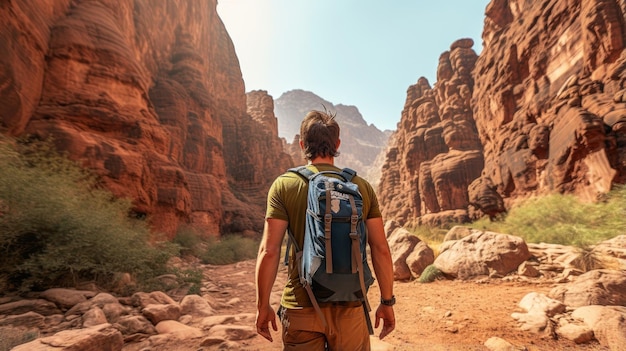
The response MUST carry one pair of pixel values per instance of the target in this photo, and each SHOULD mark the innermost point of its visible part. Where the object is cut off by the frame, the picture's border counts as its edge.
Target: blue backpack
(332, 263)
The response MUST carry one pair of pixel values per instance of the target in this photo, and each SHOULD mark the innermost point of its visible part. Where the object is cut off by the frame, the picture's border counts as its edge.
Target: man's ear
(301, 144)
(338, 143)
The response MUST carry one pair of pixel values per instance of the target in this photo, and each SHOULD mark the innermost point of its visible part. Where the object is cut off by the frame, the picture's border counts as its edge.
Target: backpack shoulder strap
(303, 172)
(348, 174)
(307, 174)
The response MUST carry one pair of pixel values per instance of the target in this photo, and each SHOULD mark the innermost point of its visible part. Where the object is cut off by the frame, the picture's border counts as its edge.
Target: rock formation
(269, 146)
(541, 110)
(147, 94)
(360, 143)
(549, 98)
(435, 154)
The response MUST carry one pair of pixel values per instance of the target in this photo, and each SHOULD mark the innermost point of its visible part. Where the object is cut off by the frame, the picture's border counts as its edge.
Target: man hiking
(310, 322)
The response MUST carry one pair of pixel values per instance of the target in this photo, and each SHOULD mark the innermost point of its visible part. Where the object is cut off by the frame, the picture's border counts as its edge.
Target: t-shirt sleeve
(275, 201)
(374, 210)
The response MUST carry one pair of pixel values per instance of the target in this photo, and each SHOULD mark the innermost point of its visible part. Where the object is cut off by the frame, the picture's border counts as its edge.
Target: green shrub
(190, 241)
(230, 249)
(564, 219)
(57, 227)
(430, 274)
(11, 337)
(193, 277)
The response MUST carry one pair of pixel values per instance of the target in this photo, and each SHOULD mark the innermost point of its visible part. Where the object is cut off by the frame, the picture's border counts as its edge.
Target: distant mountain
(360, 142)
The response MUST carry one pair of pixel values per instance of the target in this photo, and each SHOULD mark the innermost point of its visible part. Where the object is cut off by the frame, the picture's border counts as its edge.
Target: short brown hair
(319, 133)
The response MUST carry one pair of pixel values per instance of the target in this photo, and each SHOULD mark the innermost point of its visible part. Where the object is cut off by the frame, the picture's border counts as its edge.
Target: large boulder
(597, 287)
(401, 243)
(607, 322)
(161, 312)
(66, 298)
(196, 306)
(421, 257)
(482, 253)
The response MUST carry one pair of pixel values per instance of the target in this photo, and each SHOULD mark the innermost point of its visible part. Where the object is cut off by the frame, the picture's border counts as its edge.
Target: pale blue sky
(353, 52)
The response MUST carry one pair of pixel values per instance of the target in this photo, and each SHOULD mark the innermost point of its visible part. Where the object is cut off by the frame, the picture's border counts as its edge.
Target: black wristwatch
(389, 302)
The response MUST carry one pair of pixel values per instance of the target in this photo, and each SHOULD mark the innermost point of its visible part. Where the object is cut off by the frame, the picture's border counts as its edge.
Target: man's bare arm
(266, 270)
(383, 268)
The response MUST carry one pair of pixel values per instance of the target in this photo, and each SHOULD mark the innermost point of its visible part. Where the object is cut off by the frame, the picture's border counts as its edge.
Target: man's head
(319, 135)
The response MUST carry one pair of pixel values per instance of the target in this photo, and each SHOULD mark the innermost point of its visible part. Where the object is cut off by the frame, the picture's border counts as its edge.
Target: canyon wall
(148, 94)
(541, 110)
(435, 154)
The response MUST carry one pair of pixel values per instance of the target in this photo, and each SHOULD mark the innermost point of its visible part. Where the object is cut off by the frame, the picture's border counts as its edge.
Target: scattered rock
(196, 306)
(157, 312)
(28, 319)
(66, 298)
(498, 344)
(95, 316)
(101, 337)
(41, 306)
(534, 302)
(130, 325)
(232, 332)
(607, 322)
(178, 330)
(597, 287)
(528, 270)
(143, 299)
(577, 333)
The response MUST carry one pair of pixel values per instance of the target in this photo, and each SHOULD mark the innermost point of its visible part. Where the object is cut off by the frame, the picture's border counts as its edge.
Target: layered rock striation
(436, 153)
(147, 94)
(541, 110)
(550, 97)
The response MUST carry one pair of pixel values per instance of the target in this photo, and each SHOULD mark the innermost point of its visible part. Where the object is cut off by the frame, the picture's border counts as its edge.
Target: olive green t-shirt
(287, 200)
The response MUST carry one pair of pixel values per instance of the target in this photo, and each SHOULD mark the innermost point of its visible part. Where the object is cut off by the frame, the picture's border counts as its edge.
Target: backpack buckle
(328, 218)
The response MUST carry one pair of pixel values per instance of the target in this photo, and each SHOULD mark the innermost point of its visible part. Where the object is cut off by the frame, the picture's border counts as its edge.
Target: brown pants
(347, 329)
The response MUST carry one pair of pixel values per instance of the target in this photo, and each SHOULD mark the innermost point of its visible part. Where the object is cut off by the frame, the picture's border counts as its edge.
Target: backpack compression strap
(357, 263)
(328, 221)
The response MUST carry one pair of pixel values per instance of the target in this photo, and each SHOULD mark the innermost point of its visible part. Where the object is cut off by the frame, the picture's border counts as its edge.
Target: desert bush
(57, 227)
(564, 219)
(230, 249)
(190, 241)
(430, 274)
(11, 337)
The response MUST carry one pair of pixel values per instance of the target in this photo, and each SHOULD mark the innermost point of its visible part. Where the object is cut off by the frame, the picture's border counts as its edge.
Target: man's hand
(385, 313)
(264, 316)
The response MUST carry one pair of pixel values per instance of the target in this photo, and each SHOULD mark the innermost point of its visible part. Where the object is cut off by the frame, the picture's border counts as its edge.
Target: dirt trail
(443, 315)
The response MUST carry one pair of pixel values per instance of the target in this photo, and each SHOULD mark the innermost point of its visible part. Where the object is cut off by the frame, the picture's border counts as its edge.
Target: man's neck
(323, 160)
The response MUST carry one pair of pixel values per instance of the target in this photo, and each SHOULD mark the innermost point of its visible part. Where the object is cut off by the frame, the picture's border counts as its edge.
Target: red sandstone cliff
(543, 109)
(435, 154)
(150, 95)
